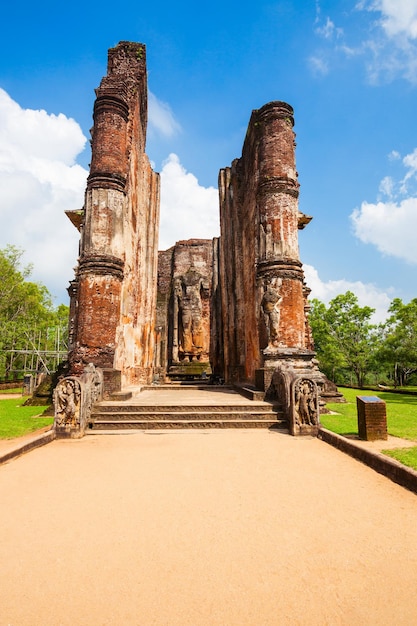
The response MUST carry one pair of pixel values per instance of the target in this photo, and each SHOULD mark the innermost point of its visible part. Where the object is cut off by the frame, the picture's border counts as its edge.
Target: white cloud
(410, 162)
(328, 30)
(386, 186)
(399, 17)
(319, 65)
(390, 226)
(392, 45)
(367, 293)
(386, 39)
(394, 155)
(40, 180)
(161, 118)
(188, 210)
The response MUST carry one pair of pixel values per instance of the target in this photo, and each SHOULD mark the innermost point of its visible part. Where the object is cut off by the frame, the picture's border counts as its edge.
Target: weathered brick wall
(194, 255)
(261, 278)
(113, 299)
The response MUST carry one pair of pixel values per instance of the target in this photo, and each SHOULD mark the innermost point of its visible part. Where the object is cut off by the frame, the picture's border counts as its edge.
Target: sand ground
(227, 527)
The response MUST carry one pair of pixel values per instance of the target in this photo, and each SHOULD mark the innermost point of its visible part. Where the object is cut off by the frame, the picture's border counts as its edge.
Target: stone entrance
(233, 307)
(184, 309)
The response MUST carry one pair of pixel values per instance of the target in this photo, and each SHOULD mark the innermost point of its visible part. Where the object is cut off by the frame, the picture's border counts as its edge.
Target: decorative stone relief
(305, 403)
(190, 335)
(68, 397)
(74, 398)
(270, 302)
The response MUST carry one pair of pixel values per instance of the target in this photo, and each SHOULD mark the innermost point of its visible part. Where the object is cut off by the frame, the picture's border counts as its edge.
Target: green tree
(331, 359)
(344, 336)
(24, 307)
(399, 342)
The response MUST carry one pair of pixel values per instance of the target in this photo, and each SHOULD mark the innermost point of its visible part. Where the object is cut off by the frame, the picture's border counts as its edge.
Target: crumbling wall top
(127, 58)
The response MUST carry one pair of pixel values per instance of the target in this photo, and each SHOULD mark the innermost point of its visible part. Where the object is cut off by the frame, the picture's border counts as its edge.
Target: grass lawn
(17, 420)
(401, 414)
(6, 391)
(406, 456)
(401, 420)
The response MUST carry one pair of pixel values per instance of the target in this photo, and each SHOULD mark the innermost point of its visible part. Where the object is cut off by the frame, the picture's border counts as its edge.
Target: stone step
(114, 407)
(201, 415)
(110, 425)
(191, 410)
(250, 392)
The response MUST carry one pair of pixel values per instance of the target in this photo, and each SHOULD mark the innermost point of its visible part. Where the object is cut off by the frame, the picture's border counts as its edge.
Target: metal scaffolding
(40, 351)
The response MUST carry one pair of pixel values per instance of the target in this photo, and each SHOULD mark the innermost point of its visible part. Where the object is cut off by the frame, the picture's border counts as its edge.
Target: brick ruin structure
(264, 309)
(113, 296)
(235, 306)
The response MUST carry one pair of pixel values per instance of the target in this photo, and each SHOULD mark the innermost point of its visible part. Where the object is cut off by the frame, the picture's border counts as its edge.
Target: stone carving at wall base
(74, 398)
(292, 377)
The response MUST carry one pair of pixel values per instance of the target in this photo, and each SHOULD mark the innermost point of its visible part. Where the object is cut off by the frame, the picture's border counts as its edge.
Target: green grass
(401, 414)
(406, 456)
(401, 420)
(17, 420)
(15, 390)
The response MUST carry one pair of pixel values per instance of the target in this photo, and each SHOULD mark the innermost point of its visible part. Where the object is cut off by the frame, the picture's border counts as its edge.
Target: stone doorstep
(250, 392)
(201, 413)
(105, 407)
(133, 416)
(143, 425)
(370, 455)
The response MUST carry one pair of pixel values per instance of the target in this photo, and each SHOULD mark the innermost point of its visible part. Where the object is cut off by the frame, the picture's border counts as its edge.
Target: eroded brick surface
(262, 293)
(113, 298)
(236, 304)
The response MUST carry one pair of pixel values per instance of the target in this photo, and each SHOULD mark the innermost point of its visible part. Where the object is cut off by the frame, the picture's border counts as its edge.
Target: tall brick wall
(113, 297)
(238, 302)
(261, 277)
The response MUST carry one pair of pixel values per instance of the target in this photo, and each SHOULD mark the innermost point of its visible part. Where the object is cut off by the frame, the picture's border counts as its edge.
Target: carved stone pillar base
(292, 377)
(74, 397)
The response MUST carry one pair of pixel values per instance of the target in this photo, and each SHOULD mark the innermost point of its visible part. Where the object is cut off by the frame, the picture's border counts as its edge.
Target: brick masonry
(259, 256)
(372, 418)
(113, 296)
(238, 302)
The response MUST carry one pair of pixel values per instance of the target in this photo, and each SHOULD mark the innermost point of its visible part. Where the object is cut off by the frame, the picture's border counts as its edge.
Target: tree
(344, 336)
(24, 306)
(399, 342)
(328, 353)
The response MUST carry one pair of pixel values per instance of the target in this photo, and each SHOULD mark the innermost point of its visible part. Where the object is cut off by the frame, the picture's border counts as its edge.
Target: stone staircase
(184, 407)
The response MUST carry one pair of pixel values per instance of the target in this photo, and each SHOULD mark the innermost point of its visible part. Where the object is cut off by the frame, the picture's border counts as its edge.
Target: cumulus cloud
(161, 117)
(391, 225)
(367, 293)
(188, 210)
(40, 180)
(398, 17)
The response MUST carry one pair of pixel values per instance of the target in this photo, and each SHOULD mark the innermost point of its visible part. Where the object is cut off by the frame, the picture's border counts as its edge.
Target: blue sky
(348, 68)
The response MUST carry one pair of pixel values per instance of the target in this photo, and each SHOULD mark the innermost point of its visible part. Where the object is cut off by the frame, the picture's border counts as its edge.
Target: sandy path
(231, 527)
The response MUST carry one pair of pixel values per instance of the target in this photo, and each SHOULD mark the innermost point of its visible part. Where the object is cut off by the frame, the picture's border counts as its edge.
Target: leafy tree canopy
(399, 339)
(24, 305)
(343, 335)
